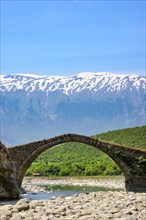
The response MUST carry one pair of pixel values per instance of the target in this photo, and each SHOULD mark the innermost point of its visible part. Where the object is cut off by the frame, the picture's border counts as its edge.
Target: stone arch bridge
(132, 161)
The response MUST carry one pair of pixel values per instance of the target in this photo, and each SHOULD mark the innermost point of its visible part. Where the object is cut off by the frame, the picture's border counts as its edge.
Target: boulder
(8, 184)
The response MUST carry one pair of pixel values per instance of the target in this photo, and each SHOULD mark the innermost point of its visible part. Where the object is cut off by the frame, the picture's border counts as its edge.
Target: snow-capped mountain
(35, 106)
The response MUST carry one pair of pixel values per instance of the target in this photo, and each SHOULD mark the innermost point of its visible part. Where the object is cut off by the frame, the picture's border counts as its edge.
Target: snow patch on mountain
(92, 82)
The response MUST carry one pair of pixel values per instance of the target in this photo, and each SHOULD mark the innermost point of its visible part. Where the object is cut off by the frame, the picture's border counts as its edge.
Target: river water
(58, 190)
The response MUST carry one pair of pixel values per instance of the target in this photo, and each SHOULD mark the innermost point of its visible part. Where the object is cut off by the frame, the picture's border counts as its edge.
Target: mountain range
(35, 107)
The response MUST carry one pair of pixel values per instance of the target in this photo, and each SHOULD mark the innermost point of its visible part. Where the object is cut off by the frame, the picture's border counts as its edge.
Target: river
(54, 190)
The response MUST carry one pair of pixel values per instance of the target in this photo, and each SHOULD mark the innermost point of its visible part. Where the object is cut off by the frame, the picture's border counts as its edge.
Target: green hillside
(73, 159)
(130, 137)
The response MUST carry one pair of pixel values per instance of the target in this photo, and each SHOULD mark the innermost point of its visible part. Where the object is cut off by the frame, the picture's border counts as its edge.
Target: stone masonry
(132, 162)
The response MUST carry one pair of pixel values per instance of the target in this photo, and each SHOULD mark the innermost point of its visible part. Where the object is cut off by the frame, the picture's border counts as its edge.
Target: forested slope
(130, 137)
(73, 159)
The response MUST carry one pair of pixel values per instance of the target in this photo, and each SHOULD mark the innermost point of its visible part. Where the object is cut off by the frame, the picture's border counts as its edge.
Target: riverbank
(33, 184)
(85, 206)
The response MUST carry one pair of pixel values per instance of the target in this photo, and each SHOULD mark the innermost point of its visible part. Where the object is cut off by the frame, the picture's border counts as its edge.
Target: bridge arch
(124, 157)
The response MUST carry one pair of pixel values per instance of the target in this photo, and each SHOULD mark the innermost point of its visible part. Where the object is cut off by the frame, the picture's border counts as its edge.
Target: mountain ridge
(78, 82)
(35, 107)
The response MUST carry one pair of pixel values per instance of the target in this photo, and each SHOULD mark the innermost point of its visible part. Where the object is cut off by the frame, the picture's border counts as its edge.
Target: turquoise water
(59, 190)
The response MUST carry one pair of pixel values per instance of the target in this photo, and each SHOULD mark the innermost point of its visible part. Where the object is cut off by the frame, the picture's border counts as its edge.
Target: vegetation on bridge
(73, 159)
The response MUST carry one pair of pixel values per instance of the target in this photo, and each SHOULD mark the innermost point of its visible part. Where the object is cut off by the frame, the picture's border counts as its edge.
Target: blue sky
(68, 37)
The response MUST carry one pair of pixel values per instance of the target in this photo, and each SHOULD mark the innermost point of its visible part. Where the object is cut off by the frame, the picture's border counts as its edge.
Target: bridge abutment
(135, 184)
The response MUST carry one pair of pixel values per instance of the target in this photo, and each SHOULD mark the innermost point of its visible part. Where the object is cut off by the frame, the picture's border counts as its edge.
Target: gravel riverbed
(34, 184)
(85, 206)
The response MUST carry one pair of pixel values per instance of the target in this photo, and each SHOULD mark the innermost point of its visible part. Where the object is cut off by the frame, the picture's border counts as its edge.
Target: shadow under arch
(126, 158)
